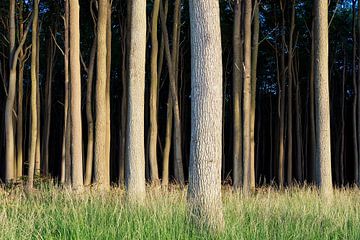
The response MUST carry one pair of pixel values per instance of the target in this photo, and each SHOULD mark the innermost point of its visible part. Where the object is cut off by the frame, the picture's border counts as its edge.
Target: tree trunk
(65, 145)
(75, 87)
(135, 155)
(247, 100)
(204, 193)
(34, 115)
(101, 178)
(108, 91)
(89, 115)
(176, 110)
(354, 106)
(254, 58)
(290, 100)
(322, 112)
(237, 93)
(153, 128)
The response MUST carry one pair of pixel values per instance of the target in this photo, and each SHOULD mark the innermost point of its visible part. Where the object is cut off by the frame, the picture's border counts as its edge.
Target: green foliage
(62, 214)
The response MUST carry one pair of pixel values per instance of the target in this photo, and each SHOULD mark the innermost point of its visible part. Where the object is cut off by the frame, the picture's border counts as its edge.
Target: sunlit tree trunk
(204, 193)
(101, 178)
(153, 128)
(75, 87)
(34, 116)
(322, 111)
(135, 152)
(254, 59)
(247, 99)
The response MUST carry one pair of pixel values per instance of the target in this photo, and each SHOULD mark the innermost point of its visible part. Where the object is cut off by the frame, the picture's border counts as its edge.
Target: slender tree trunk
(358, 98)
(153, 128)
(89, 116)
(237, 93)
(312, 158)
(354, 106)
(38, 105)
(247, 99)
(75, 86)
(135, 151)
(299, 143)
(281, 171)
(34, 115)
(20, 147)
(290, 100)
(108, 91)
(9, 126)
(101, 178)
(342, 146)
(176, 110)
(65, 145)
(254, 58)
(204, 193)
(48, 96)
(323, 144)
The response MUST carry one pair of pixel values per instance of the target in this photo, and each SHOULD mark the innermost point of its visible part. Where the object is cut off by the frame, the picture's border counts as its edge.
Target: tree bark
(34, 115)
(135, 152)
(322, 112)
(153, 128)
(247, 100)
(290, 99)
(204, 193)
(101, 178)
(254, 59)
(75, 87)
(237, 93)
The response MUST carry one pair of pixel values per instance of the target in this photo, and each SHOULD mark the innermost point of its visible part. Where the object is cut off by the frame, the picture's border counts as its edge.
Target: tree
(9, 126)
(322, 112)
(34, 83)
(135, 156)
(153, 128)
(247, 99)
(254, 60)
(75, 86)
(101, 178)
(237, 90)
(204, 193)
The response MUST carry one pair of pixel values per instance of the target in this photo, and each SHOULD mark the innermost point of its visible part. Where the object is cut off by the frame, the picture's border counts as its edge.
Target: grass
(52, 213)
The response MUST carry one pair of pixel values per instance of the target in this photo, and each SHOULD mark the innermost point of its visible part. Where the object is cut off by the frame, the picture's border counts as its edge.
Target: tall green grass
(52, 213)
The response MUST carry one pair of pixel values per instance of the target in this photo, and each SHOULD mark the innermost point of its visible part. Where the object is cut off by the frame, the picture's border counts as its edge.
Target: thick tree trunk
(237, 99)
(101, 178)
(322, 111)
(135, 155)
(76, 126)
(204, 193)
(153, 128)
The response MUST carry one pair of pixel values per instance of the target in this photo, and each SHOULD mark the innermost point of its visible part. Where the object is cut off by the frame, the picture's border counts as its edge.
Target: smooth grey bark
(135, 149)
(204, 192)
(322, 108)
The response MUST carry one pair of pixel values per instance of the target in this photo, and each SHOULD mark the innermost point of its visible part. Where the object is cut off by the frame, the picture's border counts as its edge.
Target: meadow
(297, 213)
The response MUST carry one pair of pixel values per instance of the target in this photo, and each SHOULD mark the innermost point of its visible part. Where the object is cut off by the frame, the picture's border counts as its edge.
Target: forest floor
(297, 213)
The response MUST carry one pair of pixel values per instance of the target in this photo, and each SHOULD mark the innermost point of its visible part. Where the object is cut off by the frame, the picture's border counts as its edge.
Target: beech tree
(135, 155)
(322, 111)
(204, 193)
